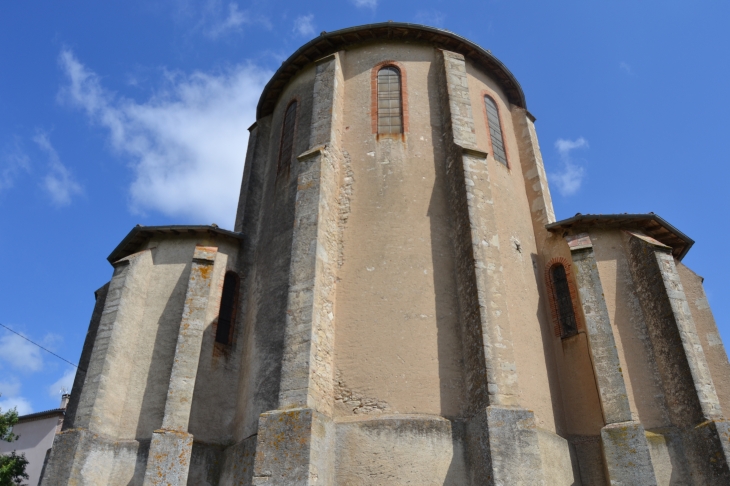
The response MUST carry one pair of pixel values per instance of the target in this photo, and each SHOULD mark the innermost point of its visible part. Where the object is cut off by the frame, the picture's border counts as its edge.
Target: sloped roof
(139, 235)
(330, 42)
(651, 224)
(41, 415)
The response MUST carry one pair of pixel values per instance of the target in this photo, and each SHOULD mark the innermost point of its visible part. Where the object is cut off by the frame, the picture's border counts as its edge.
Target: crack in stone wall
(356, 401)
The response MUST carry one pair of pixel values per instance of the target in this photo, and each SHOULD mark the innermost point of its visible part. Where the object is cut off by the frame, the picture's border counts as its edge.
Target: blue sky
(123, 112)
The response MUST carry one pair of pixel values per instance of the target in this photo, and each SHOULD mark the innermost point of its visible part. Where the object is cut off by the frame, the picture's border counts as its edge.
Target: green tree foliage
(12, 466)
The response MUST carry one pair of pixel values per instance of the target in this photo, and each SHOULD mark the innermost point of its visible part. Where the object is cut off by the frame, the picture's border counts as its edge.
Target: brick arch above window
(495, 129)
(552, 296)
(374, 93)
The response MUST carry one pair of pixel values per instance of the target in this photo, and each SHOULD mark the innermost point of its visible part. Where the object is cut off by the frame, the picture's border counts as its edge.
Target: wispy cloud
(58, 182)
(430, 17)
(10, 397)
(64, 383)
(366, 3)
(230, 23)
(21, 404)
(13, 161)
(304, 26)
(186, 144)
(19, 353)
(571, 174)
(625, 67)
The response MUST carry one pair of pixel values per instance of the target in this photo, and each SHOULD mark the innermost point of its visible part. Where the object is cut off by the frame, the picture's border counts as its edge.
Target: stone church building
(397, 304)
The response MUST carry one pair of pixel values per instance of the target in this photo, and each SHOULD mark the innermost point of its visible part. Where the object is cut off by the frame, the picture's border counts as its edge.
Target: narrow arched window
(495, 130)
(287, 137)
(562, 301)
(227, 313)
(390, 106)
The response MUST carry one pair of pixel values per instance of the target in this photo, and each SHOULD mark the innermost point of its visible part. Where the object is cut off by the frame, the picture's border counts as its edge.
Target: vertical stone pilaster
(469, 176)
(625, 448)
(171, 447)
(502, 441)
(85, 360)
(84, 454)
(253, 139)
(304, 418)
(692, 401)
(533, 170)
(601, 341)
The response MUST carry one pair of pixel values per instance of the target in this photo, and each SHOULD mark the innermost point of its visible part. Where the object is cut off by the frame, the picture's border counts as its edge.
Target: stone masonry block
(503, 447)
(169, 459)
(626, 454)
(295, 447)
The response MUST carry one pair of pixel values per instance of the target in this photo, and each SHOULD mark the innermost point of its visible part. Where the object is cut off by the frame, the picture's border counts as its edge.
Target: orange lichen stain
(205, 271)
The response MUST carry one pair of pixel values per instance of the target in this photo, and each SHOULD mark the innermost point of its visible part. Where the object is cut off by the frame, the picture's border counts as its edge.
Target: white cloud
(216, 19)
(564, 147)
(59, 183)
(65, 382)
(19, 353)
(625, 67)
(366, 3)
(303, 25)
(430, 17)
(9, 388)
(19, 403)
(13, 161)
(10, 397)
(187, 144)
(233, 21)
(571, 174)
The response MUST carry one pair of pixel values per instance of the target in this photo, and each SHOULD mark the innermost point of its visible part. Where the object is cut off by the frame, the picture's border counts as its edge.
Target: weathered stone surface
(400, 449)
(85, 360)
(238, 463)
(588, 461)
(626, 453)
(668, 456)
(171, 449)
(79, 457)
(295, 447)
(503, 448)
(691, 399)
(169, 458)
(610, 380)
(99, 406)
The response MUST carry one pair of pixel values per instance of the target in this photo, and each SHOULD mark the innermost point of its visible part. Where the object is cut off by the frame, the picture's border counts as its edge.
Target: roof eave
(329, 42)
(594, 220)
(140, 234)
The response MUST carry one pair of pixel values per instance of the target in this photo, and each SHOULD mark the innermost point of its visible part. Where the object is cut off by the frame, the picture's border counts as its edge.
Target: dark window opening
(563, 302)
(390, 110)
(287, 137)
(227, 313)
(495, 130)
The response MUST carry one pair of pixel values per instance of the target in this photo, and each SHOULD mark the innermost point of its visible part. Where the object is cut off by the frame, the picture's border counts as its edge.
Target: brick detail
(490, 149)
(552, 297)
(374, 93)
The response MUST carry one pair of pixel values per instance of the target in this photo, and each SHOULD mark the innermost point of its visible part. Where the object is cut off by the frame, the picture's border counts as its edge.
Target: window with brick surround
(287, 137)
(562, 303)
(495, 130)
(229, 306)
(390, 106)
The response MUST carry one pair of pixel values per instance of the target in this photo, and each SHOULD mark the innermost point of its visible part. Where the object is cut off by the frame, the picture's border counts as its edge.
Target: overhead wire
(44, 349)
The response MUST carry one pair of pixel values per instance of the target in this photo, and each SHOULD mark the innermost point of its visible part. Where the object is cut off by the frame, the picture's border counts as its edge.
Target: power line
(44, 349)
